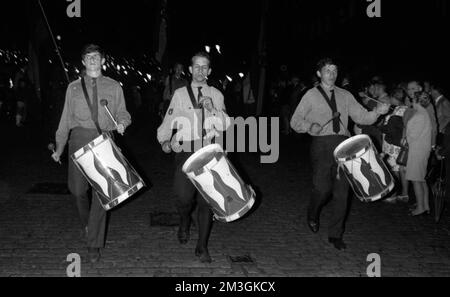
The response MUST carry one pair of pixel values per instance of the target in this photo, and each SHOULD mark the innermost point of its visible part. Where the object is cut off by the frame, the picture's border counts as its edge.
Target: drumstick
(365, 96)
(104, 103)
(335, 115)
(51, 147)
(391, 107)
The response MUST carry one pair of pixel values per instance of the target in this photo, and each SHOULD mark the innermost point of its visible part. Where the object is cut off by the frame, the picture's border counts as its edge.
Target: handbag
(402, 158)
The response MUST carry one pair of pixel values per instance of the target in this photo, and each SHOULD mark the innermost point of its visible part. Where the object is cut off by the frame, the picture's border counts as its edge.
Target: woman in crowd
(418, 137)
(392, 129)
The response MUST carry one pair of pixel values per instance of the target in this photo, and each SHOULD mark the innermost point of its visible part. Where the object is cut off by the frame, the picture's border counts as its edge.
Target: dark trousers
(91, 212)
(187, 195)
(326, 183)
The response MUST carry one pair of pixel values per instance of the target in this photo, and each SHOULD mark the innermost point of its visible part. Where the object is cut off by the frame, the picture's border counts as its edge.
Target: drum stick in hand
(104, 103)
(51, 147)
(335, 115)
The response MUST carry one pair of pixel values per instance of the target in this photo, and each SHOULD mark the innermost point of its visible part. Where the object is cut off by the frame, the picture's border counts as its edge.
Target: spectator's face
(200, 69)
(372, 90)
(395, 100)
(398, 95)
(178, 70)
(328, 74)
(295, 81)
(434, 93)
(412, 88)
(93, 61)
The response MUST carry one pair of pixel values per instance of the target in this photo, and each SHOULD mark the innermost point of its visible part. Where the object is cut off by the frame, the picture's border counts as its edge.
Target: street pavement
(39, 230)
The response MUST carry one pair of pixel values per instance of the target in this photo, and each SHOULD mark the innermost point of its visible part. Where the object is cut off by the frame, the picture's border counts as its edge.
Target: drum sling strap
(196, 106)
(86, 96)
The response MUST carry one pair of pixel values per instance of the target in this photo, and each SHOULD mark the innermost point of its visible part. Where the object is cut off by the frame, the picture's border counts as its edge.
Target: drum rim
(209, 147)
(378, 196)
(233, 217)
(78, 153)
(346, 142)
(122, 197)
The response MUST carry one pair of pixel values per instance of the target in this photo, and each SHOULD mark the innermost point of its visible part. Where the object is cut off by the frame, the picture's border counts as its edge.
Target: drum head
(201, 157)
(352, 148)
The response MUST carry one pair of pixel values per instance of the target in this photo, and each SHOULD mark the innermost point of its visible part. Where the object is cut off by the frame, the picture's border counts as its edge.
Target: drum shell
(220, 184)
(108, 172)
(366, 172)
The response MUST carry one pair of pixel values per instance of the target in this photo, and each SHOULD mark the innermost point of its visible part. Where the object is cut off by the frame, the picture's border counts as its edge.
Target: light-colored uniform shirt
(314, 109)
(182, 115)
(76, 112)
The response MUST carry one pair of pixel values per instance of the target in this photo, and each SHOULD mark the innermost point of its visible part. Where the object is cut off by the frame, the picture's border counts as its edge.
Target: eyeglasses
(95, 57)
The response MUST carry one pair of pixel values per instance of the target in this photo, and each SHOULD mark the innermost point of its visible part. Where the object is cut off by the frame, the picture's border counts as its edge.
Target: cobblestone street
(38, 231)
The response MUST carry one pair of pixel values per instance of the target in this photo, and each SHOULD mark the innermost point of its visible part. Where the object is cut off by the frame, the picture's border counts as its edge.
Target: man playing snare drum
(83, 121)
(189, 105)
(323, 113)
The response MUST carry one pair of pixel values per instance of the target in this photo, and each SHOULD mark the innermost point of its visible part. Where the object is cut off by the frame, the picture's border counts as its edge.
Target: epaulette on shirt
(74, 85)
(109, 79)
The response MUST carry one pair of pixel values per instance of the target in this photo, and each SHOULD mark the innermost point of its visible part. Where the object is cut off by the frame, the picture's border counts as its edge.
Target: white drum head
(352, 148)
(201, 157)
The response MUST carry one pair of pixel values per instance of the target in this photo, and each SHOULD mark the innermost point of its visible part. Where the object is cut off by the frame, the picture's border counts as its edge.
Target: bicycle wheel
(438, 197)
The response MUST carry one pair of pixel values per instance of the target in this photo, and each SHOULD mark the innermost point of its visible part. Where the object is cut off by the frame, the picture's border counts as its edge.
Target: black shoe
(313, 225)
(183, 236)
(93, 254)
(337, 242)
(203, 254)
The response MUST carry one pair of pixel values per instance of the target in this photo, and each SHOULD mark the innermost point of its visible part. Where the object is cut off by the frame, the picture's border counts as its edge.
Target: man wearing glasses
(83, 122)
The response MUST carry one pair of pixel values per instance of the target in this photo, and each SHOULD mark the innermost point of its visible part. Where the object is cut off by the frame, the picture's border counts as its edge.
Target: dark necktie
(200, 94)
(94, 99)
(335, 119)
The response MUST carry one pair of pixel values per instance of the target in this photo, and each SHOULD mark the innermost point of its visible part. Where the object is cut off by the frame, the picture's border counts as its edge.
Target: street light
(207, 48)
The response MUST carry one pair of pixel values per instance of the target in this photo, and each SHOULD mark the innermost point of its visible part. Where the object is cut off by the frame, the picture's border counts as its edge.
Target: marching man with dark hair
(82, 124)
(320, 104)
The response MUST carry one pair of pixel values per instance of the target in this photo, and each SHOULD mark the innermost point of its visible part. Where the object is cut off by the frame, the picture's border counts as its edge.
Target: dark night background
(406, 42)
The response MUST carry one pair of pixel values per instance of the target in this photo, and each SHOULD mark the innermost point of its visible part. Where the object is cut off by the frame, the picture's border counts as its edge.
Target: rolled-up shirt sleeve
(359, 114)
(122, 115)
(299, 122)
(164, 132)
(62, 133)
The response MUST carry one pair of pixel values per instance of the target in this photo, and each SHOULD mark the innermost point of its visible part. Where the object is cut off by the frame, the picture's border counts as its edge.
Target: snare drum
(219, 183)
(107, 171)
(366, 172)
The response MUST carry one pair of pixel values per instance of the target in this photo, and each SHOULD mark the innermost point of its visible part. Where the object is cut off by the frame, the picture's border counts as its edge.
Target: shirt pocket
(81, 110)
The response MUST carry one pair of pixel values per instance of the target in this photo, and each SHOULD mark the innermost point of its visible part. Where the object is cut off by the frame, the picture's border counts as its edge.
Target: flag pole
(54, 42)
